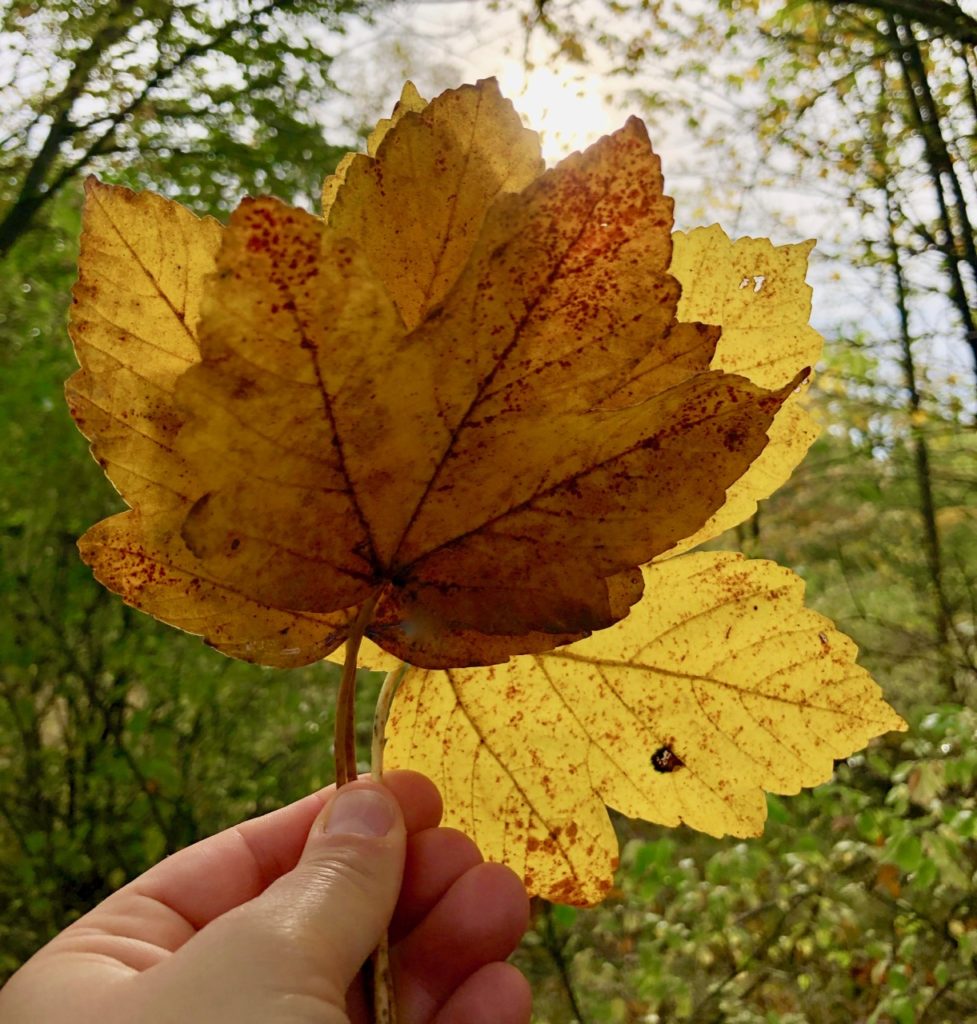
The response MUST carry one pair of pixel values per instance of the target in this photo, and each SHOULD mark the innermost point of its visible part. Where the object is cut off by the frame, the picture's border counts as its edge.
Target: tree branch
(942, 18)
(32, 195)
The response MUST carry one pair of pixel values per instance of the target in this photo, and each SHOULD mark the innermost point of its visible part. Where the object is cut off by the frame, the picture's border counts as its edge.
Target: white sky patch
(568, 109)
(442, 45)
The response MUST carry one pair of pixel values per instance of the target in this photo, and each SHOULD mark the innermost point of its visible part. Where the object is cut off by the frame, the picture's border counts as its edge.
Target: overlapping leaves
(465, 397)
(686, 712)
(464, 407)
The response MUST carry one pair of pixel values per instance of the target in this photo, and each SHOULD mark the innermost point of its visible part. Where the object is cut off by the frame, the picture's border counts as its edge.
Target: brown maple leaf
(460, 410)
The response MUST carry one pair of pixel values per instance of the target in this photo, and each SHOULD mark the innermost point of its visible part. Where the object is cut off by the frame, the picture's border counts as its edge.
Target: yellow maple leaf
(757, 293)
(423, 415)
(455, 415)
(719, 686)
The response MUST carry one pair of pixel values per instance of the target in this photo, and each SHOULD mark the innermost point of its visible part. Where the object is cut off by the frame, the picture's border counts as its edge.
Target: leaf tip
(410, 97)
(636, 127)
(490, 84)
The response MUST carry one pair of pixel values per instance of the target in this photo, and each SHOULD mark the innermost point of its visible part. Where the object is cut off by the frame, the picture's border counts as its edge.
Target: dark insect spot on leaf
(665, 760)
(243, 388)
(236, 543)
(734, 439)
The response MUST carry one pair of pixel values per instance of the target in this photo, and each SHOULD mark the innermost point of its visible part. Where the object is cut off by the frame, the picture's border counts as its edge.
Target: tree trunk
(942, 612)
(957, 242)
(941, 18)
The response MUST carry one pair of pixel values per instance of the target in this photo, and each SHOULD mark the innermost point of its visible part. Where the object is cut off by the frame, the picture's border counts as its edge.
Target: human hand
(270, 922)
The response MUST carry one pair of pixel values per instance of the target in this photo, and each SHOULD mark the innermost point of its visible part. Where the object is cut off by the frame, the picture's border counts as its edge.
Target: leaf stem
(384, 997)
(384, 702)
(345, 729)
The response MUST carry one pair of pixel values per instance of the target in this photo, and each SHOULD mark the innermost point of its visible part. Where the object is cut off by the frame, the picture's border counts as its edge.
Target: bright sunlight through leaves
(568, 109)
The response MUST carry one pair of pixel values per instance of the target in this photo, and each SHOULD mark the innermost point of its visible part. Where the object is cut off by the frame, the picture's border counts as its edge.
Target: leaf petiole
(345, 728)
(384, 1001)
(384, 702)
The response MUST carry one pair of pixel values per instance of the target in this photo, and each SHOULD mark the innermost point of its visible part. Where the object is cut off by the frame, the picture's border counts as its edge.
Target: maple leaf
(460, 411)
(757, 294)
(455, 415)
(718, 687)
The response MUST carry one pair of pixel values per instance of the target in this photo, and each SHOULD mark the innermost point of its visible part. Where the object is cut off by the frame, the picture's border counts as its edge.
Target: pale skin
(271, 921)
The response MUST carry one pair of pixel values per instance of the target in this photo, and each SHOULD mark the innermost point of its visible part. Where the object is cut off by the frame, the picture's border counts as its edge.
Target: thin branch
(935, 15)
(32, 197)
(555, 948)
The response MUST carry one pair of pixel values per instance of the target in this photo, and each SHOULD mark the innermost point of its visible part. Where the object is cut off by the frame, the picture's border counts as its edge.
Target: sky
(441, 44)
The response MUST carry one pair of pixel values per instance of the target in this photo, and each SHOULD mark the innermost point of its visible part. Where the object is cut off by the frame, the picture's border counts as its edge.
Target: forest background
(122, 740)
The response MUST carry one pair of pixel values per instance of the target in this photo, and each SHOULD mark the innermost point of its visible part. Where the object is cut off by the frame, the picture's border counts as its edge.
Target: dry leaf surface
(466, 394)
(718, 687)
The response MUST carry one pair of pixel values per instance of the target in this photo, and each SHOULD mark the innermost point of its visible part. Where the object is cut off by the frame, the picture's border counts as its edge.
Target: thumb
(339, 898)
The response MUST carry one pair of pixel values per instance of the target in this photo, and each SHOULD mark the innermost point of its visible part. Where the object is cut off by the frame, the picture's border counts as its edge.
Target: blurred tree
(942, 17)
(120, 739)
(210, 99)
(801, 78)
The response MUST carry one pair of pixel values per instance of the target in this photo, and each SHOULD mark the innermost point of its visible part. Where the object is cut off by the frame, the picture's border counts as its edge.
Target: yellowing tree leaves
(461, 402)
(718, 687)
(456, 415)
(757, 293)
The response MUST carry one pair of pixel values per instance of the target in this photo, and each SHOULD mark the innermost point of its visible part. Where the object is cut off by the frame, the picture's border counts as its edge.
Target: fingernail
(360, 812)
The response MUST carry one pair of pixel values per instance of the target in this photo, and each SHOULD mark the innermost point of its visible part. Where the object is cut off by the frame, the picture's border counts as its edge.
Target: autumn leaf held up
(464, 393)
(465, 406)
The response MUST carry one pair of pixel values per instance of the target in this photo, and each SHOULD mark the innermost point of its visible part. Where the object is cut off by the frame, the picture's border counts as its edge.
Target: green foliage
(209, 100)
(121, 740)
(859, 903)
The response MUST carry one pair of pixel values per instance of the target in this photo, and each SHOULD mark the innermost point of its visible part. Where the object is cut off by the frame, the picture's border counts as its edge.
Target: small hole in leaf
(758, 282)
(665, 760)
